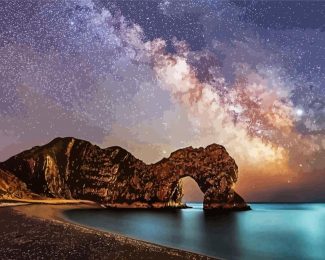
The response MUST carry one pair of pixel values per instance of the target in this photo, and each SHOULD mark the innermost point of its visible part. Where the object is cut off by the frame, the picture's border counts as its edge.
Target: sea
(268, 231)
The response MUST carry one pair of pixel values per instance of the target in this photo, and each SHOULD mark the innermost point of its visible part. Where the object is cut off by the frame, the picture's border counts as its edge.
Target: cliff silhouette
(70, 168)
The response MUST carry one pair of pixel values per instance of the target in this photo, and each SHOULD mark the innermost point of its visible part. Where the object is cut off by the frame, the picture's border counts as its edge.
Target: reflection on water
(269, 231)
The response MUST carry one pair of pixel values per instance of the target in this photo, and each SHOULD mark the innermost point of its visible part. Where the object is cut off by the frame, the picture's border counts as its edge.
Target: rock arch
(214, 170)
(73, 168)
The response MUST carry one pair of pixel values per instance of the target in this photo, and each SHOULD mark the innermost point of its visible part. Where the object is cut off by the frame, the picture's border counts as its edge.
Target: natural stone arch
(214, 170)
(72, 168)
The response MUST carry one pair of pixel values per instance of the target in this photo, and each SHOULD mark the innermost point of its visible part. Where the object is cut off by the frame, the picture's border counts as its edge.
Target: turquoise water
(269, 231)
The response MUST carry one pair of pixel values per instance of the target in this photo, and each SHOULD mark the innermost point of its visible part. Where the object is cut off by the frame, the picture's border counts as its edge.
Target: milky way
(155, 76)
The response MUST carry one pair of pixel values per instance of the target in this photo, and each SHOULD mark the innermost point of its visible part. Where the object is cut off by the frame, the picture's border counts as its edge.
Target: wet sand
(39, 231)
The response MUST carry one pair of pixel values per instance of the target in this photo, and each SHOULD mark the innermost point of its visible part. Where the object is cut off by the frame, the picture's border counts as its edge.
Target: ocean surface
(269, 231)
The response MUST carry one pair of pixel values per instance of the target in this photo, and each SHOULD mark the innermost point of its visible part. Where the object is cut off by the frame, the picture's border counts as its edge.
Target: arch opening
(190, 190)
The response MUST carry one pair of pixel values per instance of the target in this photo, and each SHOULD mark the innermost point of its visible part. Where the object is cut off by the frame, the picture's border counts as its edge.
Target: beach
(39, 231)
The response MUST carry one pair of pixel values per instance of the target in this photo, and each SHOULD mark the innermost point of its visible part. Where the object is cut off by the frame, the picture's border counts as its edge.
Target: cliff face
(13, 188)
(71, 168)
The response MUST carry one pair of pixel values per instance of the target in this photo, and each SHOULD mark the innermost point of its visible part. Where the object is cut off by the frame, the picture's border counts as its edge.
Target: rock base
(142, 205)
(226, 207)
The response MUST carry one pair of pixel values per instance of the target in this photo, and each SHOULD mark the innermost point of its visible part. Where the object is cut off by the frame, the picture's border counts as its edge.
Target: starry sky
(155, 76)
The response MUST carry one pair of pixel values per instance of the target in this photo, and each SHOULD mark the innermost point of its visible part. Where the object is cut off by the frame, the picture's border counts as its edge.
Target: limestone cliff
(72, 168)
(13, 188)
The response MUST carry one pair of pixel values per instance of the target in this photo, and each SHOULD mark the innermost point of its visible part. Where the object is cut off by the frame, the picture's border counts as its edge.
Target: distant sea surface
(269, 231)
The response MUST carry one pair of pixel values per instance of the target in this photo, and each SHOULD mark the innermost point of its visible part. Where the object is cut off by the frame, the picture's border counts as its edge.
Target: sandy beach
(39, 231)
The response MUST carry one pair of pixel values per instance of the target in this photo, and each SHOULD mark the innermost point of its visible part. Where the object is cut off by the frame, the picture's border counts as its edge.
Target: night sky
(155, 76)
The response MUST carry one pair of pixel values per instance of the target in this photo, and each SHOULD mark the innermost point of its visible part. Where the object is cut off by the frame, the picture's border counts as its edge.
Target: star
(299, 112)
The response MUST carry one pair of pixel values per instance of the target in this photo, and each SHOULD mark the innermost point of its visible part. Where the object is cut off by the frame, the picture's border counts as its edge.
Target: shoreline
(35, 219)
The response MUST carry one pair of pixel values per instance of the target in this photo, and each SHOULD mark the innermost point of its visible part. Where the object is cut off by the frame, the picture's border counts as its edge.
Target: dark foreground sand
(39, 232)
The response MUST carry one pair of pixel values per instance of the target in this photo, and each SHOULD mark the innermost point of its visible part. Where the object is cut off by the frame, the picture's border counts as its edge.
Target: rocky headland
(69, 168)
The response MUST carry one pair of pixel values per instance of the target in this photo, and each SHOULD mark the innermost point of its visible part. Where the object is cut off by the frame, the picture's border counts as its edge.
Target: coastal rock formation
(71, 168)
(13, 188)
